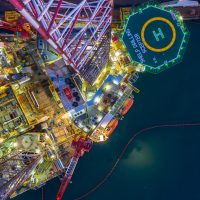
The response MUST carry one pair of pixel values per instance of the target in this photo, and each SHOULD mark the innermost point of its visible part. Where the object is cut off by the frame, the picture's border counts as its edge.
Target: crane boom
(67, 177)
(81, 146)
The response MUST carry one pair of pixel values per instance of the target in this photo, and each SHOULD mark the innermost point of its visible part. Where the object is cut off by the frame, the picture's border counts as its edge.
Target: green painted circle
(26, 142)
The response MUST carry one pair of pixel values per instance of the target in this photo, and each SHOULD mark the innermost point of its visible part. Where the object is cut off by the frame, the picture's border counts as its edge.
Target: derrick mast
(15, 169)
(77, 31)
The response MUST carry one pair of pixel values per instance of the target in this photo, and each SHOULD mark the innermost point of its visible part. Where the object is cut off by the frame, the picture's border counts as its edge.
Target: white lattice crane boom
(75, 30)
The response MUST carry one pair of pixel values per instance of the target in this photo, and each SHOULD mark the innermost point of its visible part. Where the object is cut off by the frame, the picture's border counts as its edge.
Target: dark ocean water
(161, 164)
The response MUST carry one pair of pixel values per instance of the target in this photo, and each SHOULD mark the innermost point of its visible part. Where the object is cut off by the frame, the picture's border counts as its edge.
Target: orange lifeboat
(127, 105)
(111, 127)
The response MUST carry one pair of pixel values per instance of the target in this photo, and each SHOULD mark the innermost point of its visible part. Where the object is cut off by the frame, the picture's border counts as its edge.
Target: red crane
(8, 26)
(81, 146)
(21, 26)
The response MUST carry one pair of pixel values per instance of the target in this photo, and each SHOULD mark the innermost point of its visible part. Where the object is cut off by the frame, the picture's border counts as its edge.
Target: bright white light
(101, 137)
(1, 140)
(100, 108)
(90, 94)
(85, 129)
(52, 156)
(66, 115)
(104, 70)
(93, 126)
(80, 125)
(115, 82)
(33, 172)
(97, 99)
(37, 150)
(140, 68)
(99, 118)
(114, 59)
(117, 53)
(120, 93)
(15, 144)
(108, 87)
(41, 160)
(46, 137)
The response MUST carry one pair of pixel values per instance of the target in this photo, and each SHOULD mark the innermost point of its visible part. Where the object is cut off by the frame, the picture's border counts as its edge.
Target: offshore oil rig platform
(66, 80)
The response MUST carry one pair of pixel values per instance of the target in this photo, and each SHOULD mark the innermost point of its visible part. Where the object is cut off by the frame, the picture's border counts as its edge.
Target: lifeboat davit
(126, 106)
(111, 127)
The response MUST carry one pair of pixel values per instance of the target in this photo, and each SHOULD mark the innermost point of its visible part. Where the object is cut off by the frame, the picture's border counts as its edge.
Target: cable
(124, 150)
(42, 193)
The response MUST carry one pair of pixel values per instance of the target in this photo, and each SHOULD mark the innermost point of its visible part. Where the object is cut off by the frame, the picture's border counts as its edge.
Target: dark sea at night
(161, 164)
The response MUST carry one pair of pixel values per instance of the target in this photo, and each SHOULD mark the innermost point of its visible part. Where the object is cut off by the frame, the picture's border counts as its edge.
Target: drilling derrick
(74, 30)
(15, 170)
(98, 61)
